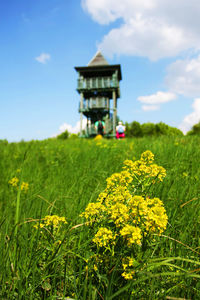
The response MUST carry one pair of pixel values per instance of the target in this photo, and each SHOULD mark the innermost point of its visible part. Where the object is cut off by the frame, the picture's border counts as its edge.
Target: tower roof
(98, 60)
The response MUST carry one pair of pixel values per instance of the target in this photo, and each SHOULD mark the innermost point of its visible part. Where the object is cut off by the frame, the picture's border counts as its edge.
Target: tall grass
(63, 177)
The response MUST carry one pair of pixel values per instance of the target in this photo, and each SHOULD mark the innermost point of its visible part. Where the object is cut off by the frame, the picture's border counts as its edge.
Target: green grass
(63, 177)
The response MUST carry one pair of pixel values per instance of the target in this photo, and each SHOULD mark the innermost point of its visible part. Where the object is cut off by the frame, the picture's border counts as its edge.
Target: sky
(157, 44)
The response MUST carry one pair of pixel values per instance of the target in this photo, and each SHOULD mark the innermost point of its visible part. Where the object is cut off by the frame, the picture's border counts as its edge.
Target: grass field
(63, 177)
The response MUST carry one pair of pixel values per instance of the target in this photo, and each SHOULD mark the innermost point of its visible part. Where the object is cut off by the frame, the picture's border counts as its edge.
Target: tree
(161, 128)
(148, 129)
(164, 129)
(195, 130)
(64, 135)
(135, 129)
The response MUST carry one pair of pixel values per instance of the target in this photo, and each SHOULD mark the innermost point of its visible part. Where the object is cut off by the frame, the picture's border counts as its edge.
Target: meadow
(55, 258)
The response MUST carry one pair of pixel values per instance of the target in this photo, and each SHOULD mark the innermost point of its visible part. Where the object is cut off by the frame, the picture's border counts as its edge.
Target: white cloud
(107, 11)
(183, 77)
(72, 129)
(43, 58)
(153, 101)
(152, 28)
(158, 98)
(192, 118)
(150, 107)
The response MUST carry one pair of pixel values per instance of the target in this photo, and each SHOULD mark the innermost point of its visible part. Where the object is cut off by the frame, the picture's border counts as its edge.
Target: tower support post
(81, 114)
(114, 111)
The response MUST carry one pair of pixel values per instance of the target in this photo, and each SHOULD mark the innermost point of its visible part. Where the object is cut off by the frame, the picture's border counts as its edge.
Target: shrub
(164, 129)
(148, 129)
(73, 136)
(135, 129)
(63, 136)
(195, 130)
(174, 131)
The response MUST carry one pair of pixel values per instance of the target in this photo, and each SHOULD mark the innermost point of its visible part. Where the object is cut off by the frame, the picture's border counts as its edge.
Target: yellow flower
(102, 196)
(24, 186)
(156, 219)
(95, 267)
(121, 212)
(128, 275)
(103, 237)
(54, 221)
(132, 234)
(92, 211)
(124, 266)
(14, 181)
(118, 213)
(161, 173)
(144, 168)
(98, 137)
(119, 179)
(128, 262)
(147, 157)
(131, 262)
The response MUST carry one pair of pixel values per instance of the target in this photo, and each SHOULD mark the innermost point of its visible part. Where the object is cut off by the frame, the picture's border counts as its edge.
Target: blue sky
(42, 41)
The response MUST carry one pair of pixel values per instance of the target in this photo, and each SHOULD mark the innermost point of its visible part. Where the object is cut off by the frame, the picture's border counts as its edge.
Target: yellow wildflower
(53, 220)
(95, 267)
(128, 275)
(123, 214)
(92, 211)
(128, 262)
(98, 137)
(103, 237)
(24, 186)
(132, 234)
(118, 213)
(14, 181)
(147, 157)
(156, 219)
(161, 173)
(144, 168)
(119, 179)
(124, 266)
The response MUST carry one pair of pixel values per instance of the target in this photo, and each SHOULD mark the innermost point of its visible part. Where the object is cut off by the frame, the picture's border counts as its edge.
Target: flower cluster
(120, 217)
(53, 221)
(14, 182)
(104, 237)
(132, 234)
(24, 186)
(127, 265)
(131, 217)
(144, 171)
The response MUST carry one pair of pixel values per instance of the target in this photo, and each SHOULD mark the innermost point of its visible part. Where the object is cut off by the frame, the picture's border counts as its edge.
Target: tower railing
(97, 83)
(95, 103)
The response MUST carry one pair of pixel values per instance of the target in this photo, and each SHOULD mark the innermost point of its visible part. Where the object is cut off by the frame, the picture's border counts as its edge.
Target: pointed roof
(98, 60)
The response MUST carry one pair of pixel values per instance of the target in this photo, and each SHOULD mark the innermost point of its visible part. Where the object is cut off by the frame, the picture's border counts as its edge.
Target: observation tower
(98, 86)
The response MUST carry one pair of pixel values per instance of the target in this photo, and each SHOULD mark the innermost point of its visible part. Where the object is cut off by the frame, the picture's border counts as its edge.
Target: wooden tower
(98, 84)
